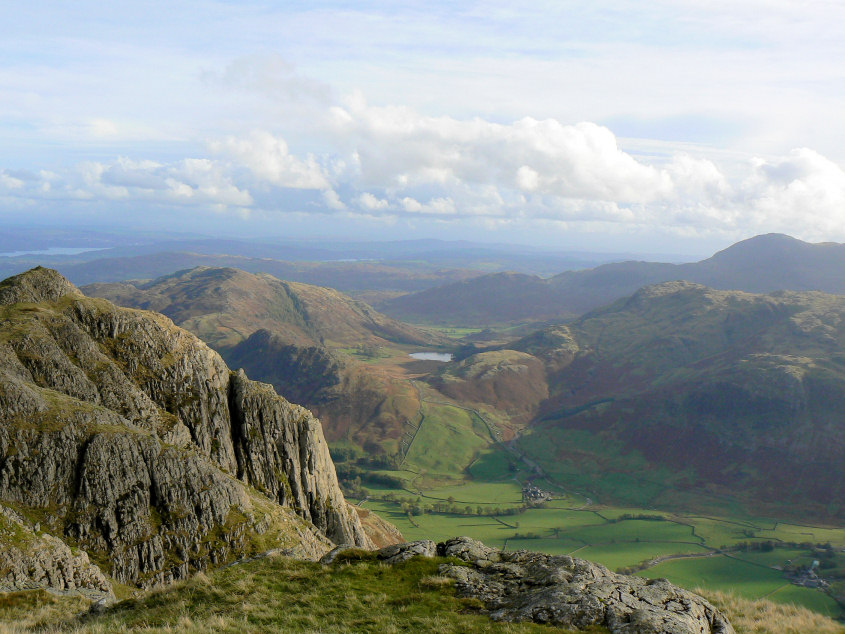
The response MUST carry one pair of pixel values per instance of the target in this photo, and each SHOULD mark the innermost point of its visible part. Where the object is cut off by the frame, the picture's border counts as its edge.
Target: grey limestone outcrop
(565, 591)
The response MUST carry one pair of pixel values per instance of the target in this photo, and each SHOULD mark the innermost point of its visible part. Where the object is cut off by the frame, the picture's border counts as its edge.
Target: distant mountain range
(761, 264)
(396, 267)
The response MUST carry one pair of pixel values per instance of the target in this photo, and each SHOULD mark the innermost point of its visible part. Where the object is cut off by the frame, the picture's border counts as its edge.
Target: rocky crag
(125, 437)
(563, 591)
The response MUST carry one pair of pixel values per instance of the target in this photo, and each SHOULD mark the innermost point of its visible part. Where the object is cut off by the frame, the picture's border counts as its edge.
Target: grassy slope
(277, 595)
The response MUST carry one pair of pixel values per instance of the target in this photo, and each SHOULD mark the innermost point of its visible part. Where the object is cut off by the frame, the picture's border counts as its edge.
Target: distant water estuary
(52, 251)
(432, 356)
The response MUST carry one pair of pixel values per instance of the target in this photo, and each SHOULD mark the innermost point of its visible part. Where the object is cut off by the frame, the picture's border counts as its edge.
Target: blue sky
(660, 125)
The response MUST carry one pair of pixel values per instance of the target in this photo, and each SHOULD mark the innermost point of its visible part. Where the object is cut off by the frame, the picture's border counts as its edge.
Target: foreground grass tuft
(276, 594)
(767, 617)
(34, 610)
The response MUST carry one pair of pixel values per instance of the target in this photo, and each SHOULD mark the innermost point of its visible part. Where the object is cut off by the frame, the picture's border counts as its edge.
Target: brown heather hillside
(224, 306)
(509, 381)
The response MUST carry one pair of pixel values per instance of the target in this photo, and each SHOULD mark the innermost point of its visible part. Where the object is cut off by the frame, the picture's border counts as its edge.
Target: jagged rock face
(574, 593)
(130, 438)
(281, 452)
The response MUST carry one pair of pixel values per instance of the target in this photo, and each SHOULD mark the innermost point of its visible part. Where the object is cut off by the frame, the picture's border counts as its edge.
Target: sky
(662, 126)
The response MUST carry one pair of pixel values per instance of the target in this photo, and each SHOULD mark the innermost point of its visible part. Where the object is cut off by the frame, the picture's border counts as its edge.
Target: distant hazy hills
(686, 387)
(388, 268)
(761, 264)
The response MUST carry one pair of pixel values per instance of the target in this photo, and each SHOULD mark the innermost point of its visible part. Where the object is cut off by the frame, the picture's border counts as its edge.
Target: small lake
(432, 356)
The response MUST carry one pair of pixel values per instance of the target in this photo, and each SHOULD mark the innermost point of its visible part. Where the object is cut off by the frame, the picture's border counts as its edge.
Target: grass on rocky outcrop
(275, 594)
(767, 617)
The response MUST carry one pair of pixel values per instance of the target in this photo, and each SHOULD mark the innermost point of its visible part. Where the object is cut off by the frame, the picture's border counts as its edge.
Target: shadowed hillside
(692, 389)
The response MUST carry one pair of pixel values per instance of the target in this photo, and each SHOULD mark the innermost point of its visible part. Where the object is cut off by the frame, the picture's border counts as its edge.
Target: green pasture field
(455, 332)
(624, 554)
(447, 442)
(440, 527)
(776, 557)
(549, 519)
(745, 579)
(492, 464)
(799, 534)
(505, 494)
(720, 573)
(720, 532)
(634, 531)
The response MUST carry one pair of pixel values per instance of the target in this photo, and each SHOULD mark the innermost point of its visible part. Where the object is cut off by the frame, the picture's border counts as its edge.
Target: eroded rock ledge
(566, 591)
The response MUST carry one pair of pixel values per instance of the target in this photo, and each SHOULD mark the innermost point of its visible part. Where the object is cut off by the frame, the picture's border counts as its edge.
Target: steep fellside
(731, 392)
(353, 400)
(129, 438)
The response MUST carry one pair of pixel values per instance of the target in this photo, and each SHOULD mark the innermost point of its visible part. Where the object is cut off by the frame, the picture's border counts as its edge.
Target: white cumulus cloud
(269, 159)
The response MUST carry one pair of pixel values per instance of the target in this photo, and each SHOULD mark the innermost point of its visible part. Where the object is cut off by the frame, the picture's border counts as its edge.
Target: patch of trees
(369, 351)
(354, 471)
(763, 547)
